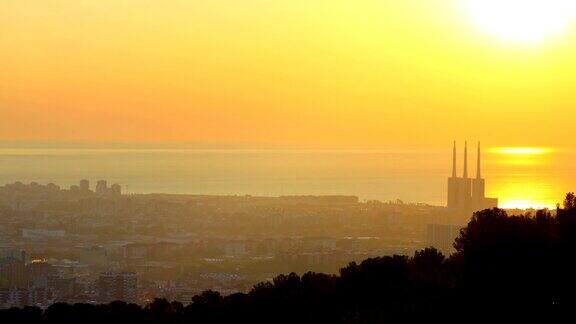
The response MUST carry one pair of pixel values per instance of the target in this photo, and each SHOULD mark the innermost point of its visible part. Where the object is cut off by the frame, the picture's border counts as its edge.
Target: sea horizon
(411, 175)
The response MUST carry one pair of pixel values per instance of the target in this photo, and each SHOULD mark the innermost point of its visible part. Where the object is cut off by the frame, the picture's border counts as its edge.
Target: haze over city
(195, 158)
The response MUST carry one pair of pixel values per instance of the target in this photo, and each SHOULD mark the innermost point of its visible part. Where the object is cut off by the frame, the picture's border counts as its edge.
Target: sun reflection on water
(523, 177)
(521, 150)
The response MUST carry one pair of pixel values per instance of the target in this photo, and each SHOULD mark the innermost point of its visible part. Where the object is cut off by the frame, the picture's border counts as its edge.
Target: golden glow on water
(525, 204)
(521, 150)
(521, 195)
(522, 177)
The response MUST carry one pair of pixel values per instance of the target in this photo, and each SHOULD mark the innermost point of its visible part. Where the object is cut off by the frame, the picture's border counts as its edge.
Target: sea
(521, 179)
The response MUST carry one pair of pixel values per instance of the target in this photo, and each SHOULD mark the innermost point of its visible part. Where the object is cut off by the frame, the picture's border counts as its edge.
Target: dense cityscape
(80, 245)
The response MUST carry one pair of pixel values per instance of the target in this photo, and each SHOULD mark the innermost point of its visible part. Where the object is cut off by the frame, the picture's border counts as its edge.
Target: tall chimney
(454, 160)
(478, 175)
(465, 160)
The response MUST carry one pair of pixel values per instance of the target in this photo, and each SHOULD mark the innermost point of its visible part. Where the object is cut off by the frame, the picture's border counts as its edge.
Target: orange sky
(288, 72)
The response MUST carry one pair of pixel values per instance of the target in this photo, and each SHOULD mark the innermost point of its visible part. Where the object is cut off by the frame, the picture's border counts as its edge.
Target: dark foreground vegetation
(516, 266)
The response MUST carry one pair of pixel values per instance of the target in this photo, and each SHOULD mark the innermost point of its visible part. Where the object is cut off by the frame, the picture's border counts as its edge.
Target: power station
(464, 193)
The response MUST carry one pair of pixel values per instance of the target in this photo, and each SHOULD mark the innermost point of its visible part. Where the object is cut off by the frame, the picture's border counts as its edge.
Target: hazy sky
(298, 72)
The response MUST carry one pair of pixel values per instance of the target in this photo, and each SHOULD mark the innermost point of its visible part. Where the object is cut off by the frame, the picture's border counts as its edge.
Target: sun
(522, 21)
